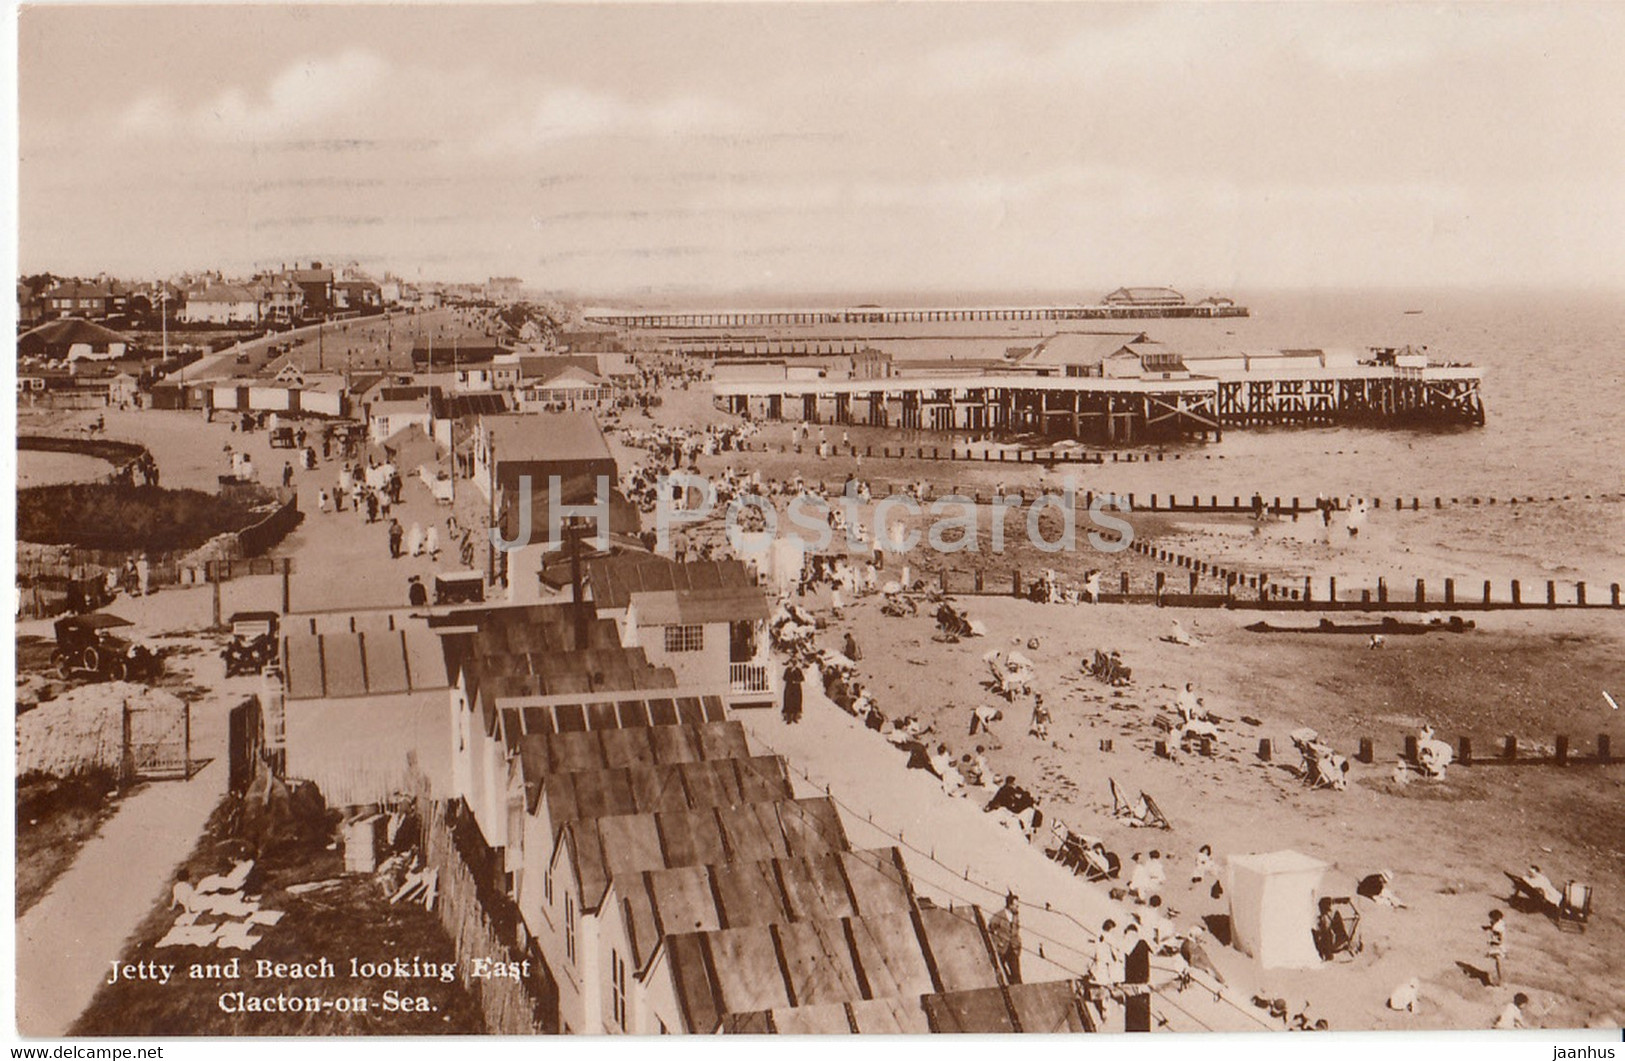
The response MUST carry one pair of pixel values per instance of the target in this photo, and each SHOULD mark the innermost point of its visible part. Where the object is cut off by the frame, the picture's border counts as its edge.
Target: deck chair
(1341, 936)
(1154, 816)
(1121, 807)
(1524, 892)
(1098, 866)
(1064, 847)
(1575, 910)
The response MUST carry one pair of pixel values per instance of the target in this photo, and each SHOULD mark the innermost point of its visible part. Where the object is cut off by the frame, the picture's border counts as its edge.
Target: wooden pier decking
(802, 318)
(1121, 411)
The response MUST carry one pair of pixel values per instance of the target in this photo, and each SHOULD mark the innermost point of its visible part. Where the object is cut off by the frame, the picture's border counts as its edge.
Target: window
(685, 638)
(617, 976)
(569, 928)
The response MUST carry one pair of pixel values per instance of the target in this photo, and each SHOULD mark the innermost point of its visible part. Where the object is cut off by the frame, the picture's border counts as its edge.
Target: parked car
(87, 646)
(459, 587)
(253, 643)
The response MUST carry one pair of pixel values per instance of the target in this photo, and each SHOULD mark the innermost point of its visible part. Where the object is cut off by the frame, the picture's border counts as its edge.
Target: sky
(859, 147)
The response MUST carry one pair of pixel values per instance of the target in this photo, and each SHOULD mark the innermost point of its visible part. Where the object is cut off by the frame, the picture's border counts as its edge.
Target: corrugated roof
(376, 663)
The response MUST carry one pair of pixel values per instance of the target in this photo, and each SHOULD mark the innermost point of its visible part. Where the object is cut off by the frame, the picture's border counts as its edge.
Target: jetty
(1126, 303)
(1119, 394)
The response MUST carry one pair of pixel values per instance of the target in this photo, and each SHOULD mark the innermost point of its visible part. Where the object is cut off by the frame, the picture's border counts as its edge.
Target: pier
(803, 318)
(1121, 411)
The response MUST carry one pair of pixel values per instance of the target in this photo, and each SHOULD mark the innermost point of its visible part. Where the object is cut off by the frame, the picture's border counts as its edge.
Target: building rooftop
(545, 755)
(615, 847)
(614, 579)
(372, 663)
(68, 331)
(546, 438)
(1079, 348)
(662, 788)
(458, 406)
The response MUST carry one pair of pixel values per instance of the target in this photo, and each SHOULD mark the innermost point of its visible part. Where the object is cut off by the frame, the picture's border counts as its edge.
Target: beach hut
(1272, 908)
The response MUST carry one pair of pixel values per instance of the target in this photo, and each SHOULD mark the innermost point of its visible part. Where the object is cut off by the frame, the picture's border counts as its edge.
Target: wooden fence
(483, 922)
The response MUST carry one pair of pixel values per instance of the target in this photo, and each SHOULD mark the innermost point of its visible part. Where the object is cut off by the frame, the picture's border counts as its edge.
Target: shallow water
(40, 468)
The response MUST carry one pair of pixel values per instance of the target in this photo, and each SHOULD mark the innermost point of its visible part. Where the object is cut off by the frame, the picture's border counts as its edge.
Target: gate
(158, 743)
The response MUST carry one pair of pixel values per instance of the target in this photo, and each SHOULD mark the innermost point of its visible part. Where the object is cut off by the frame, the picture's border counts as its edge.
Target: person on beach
(1188, 705)
(1004, 932)
(395, 536)
(792, 693)
(1039, 727)
(849, 648)
(1496, 948)
(321, 501)
(414, 540)
(1140, 885)
(1512, 1015)
(1203, 867)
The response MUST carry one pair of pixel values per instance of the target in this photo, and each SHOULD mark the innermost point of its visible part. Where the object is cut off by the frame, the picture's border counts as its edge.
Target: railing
(749, 678)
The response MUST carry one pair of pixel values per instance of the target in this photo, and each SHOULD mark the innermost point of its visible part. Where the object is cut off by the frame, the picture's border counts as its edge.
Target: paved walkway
(956, 854)
(68, 940)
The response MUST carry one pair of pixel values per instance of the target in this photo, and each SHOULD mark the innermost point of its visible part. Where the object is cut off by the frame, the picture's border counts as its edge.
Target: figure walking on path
(792, 693)
(1004, 931)
(395, 536)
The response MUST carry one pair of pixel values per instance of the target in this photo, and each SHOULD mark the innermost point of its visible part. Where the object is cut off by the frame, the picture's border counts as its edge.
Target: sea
(1553, 389)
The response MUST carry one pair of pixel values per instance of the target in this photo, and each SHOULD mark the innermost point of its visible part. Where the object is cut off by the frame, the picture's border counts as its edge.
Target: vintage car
(86, 646)
(459, 587)
(253, 643)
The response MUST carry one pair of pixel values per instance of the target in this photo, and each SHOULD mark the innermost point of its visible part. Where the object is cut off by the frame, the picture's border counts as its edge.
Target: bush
(116, 516)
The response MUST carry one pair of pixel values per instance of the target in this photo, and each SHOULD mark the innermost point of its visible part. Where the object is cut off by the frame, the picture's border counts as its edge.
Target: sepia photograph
(790, 519)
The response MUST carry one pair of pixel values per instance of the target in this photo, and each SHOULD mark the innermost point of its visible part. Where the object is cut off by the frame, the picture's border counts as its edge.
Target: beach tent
(1272, 908)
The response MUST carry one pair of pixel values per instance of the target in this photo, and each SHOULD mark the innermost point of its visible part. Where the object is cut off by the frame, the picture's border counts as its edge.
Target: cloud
(573, 112)
(305, 95)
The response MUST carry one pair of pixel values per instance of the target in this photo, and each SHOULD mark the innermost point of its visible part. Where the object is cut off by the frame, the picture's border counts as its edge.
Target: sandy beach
(1530, 674)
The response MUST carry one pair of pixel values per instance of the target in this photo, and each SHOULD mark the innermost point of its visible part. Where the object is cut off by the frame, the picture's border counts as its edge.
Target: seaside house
(364, 709)
(707, 621)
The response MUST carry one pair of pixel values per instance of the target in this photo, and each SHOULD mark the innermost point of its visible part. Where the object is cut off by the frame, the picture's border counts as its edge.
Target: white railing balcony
(750, 678)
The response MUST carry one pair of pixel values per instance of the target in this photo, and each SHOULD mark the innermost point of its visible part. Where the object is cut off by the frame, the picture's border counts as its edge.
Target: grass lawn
(54, 819)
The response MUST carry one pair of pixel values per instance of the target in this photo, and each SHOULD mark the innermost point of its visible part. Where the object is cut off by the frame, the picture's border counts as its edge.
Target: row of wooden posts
(1276, 593)
(1277, 505)
(1563, 753)
(1270, 589)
